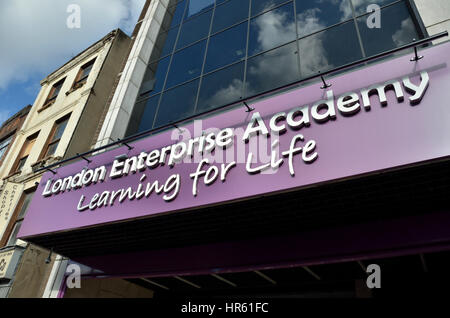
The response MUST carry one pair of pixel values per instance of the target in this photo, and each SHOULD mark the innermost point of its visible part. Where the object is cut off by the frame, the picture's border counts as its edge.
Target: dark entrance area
(420, 275)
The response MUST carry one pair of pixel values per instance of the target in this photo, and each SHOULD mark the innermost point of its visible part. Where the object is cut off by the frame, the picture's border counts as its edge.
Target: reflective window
(316, 15)
(4, 144)
(398, 29)
(55, 137)
(197, 6)
(259, 6)
(226, 47)
(145, 112)
(230, 13)
(248, 53)
(168, 39)
(361, 6)
(154, 77)
(272, 69)
(177, 103)
(271, 29)
(221, 87)
(186, 64)
(329, 49)
(177, 12)
(194, 29)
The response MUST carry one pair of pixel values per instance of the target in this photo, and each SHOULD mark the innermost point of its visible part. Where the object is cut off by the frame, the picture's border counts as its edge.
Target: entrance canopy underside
(391, 213)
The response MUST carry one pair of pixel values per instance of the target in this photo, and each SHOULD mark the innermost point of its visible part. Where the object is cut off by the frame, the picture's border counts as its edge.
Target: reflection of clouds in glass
(312, 55)
(308, 22)
(405, 34)
(226, 94)
(274, 28)
(271, 70)
(196, 6)
(346, 9)
(312, 51)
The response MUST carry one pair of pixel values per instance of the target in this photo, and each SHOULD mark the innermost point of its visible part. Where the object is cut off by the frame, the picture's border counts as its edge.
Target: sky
(35, 40)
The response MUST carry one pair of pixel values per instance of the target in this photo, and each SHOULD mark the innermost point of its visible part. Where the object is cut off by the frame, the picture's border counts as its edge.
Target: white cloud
(35, 38)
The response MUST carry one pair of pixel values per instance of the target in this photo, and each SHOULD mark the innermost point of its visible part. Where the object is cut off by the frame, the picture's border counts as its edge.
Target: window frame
(9, 137)
(80, 81)
(50, 100)
(21, 157)
(15, 220)
(44, 154)
(144, 96)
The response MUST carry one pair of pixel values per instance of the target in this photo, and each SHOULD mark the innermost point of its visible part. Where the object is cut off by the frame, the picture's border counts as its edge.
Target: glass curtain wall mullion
(296, 39)
(222, 67)
(189, 45)
(347, 20)
(398, 29)
(224, 56)
(381, 8)
(244, 89)
(189, 31)
(357, 29)
(197, 14)
(168, 68)
(416, 18)
(270, 9)
(274, 48)
(229, 27)
(204, 57)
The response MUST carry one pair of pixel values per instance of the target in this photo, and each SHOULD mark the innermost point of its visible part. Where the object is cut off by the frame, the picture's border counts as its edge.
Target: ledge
(46, 106)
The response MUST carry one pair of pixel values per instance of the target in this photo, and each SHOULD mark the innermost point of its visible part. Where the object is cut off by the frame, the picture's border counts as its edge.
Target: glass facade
(211, 53)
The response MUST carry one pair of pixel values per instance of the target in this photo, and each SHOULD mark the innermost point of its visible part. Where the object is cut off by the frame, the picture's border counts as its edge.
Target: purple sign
(384, 116)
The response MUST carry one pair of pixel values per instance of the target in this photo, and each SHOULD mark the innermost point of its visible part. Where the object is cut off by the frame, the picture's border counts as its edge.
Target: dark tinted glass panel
(177, 12)
(272, 69)
(362, 5)
(230, 13)
(220, 1)
(167, 41)
(154, 77)
(194, 29)
(144, 114)
(397, 29)
(177, 103)
(186, 64)
(271, 29)
(221, 87)
(197, 6)
(226, 47)
(316, 15)
(259, 6)
(328, 49)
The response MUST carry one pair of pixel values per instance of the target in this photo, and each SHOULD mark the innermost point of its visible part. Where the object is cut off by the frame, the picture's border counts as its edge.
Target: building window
(24, 153)
(83, 74)
(55, 137)
(18, 216)
(240, 48)
(4, 144)
(54, 92)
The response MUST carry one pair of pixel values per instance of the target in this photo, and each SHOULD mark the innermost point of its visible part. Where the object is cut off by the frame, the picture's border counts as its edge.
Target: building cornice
(80, 58)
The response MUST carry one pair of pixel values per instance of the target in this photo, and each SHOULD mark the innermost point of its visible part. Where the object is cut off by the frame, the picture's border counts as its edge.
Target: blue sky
(35, 40)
